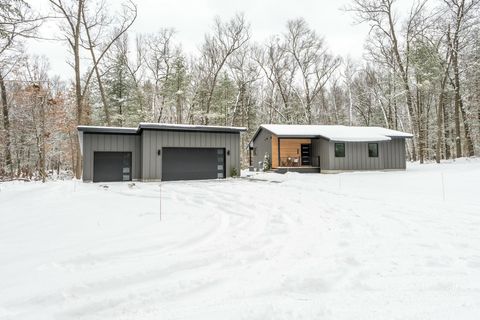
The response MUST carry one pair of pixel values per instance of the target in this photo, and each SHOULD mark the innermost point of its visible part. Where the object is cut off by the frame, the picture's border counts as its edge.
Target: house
(155, 151)
(327, 148)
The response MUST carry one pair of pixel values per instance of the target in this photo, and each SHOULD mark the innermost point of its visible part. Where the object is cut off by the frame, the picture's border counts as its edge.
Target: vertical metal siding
(391, 155)
(110, 142)
(155, 140)
(263, 143)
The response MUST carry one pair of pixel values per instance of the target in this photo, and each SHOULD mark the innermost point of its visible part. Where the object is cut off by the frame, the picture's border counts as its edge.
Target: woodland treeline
(420, 73)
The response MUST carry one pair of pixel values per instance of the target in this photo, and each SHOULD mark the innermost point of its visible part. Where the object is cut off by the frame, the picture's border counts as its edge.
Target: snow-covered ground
(365, 245)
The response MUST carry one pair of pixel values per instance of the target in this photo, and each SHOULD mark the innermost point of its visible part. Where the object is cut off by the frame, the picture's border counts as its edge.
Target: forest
(419, 73)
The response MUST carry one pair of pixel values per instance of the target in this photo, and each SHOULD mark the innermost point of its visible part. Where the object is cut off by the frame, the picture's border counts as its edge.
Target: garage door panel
(112, 166)
(193, 163)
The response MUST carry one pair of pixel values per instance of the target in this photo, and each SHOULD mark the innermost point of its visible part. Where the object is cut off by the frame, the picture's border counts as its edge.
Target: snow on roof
(189, 127)
(159, 126)
(107, 129)
(335, 132)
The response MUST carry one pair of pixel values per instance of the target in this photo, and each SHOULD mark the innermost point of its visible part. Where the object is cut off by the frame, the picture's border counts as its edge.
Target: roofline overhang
(159, 127)
(250, 144)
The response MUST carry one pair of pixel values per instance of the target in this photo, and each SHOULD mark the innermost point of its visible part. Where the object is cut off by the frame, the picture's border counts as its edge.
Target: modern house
(154, 151)
(327, 148)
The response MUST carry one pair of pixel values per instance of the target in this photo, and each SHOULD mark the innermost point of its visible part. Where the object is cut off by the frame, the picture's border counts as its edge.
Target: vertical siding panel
(230, 159)
(87, 156)
(145, 160)
(151, 166)
(139, 157)
(161, 141)
(398, 145)
(385, 154)
(388, 163)
(237, 147)
(363, 163)
(176, 139)
(393, 154)
(366, 161)
(397, 153)
(171, 140)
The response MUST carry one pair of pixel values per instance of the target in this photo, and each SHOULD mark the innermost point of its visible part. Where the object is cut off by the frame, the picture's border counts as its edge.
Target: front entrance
(306, 154)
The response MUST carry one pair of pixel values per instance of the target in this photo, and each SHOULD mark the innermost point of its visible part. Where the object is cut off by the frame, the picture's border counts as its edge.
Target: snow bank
(370, 245)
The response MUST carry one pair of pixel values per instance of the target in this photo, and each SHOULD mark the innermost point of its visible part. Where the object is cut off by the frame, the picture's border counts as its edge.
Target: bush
(267, 162)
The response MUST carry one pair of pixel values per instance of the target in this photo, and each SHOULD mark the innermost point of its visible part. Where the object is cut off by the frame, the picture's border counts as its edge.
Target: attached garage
(154, 152)
(112, 166)
(193, 163)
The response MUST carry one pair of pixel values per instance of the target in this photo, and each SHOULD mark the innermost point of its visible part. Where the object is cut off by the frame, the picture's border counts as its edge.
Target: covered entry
(112, 166)
(193, 163)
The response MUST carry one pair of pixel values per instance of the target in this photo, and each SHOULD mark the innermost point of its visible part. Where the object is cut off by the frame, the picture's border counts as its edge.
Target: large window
(373, 150)
(340, 150)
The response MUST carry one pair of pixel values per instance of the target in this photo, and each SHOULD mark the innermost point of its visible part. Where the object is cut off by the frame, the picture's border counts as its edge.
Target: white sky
(193, 18)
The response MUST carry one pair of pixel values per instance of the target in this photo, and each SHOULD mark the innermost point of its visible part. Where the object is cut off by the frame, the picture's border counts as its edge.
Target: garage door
(193, 163)
(112, 166)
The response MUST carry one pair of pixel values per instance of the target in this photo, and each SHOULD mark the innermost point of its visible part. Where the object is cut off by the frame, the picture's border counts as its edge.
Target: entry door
(306, 154)
(193, 163)
(112, 166)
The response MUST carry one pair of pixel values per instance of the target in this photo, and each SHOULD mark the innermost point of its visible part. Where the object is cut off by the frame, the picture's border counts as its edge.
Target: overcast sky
(193, 18)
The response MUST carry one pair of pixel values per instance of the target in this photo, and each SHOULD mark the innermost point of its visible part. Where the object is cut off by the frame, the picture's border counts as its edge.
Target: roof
(99, 129)
(159, 126)
(333, 132)
(189, 127)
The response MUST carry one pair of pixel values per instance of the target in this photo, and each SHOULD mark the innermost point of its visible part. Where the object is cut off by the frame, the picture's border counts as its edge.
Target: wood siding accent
(110, 142)
(289, 148)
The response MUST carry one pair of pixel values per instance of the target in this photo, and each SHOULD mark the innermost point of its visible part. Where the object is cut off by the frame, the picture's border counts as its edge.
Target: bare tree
(315, 63)
(17, 21)
(75, 20)
(380, 15)
(159, 61)
(95, 22)
(226, 38)
(461, 13)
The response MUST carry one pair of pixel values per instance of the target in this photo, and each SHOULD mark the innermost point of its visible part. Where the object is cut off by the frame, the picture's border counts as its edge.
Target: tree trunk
(467, 132)
(446, 129)
(457, 103)
(42, 170)
(438, 149)
(78, 85)
(406, 86)
(97, 72)
(6, 125)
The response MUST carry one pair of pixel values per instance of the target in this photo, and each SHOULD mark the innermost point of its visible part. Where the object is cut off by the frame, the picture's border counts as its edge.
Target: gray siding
(110, 142)
(152, 141)
(263, 144)
(320, 148)
(391, 155)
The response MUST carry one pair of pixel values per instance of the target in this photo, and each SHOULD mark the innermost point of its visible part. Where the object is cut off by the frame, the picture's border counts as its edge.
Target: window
(340, 150)
(373, 150)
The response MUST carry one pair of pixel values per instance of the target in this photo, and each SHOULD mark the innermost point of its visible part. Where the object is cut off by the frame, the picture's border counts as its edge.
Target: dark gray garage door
(193, 163)
(112, 166)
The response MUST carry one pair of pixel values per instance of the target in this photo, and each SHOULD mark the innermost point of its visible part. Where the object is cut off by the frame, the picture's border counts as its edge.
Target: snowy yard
(371, 245)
